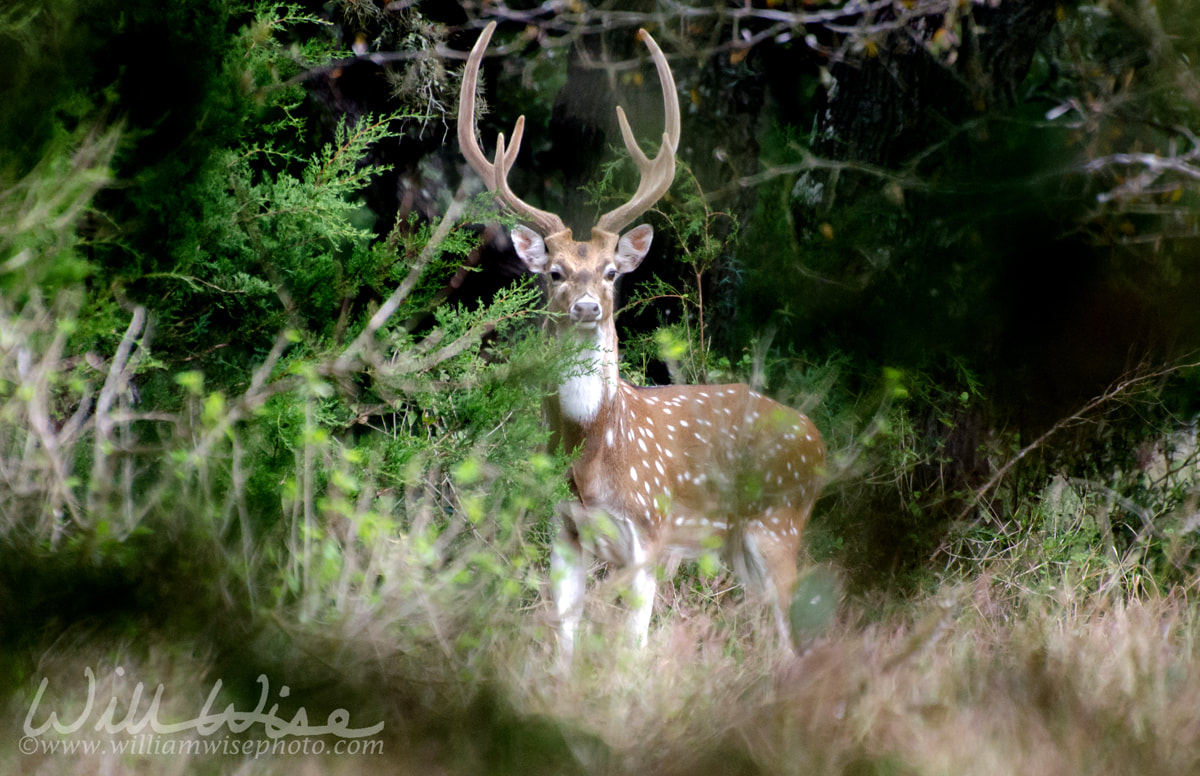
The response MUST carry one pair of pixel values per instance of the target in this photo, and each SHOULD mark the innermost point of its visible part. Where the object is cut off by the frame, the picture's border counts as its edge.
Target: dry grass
(959, 685)
(1070, 686)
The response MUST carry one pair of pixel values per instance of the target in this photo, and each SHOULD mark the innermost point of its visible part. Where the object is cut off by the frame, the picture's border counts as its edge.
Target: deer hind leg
(765, 561)
(568, 580)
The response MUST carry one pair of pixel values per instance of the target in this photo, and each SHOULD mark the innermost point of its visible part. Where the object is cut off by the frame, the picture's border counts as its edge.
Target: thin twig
(254, 397)
(1115, 390)
(351, 355)
(116, 381)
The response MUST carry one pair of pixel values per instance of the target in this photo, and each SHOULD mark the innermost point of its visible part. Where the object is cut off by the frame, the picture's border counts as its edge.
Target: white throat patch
(582, 392)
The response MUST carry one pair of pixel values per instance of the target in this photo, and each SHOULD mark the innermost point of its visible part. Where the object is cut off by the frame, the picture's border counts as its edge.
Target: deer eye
(610, 274)
(556, 274)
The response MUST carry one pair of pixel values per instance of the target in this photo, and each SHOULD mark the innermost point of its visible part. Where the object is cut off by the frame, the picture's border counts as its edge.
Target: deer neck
(591, 380)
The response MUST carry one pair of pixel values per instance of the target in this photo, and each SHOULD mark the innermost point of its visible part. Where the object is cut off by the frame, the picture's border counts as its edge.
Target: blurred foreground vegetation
(270, 387)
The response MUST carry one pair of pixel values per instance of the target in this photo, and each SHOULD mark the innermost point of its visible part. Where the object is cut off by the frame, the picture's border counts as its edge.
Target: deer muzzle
(585, 310)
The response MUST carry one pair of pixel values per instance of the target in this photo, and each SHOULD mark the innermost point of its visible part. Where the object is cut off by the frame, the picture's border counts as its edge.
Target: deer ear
(530, 247)
(633, 247)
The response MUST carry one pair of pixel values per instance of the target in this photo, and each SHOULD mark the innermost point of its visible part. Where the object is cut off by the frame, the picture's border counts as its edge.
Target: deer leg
(768, 566)
(642, 591)
(568, 579)
(779, 553)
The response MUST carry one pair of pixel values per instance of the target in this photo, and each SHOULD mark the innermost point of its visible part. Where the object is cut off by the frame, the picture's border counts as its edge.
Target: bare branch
(1155, 167)
(353, 352)
(1116, 390)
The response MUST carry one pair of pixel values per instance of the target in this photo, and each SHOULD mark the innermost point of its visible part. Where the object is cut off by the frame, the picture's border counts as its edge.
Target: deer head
(580, 274)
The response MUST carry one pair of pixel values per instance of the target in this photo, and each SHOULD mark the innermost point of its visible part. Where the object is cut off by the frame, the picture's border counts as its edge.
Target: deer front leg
(568, 579)
(642, 591)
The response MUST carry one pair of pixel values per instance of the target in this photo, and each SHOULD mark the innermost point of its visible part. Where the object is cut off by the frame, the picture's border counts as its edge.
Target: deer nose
(586, 310)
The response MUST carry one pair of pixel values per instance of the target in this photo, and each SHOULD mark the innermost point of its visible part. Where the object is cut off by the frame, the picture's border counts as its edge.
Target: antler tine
(495, 174)
(658, 173)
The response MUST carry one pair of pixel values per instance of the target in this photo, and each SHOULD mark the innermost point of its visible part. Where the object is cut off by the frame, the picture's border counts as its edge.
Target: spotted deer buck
(661, 472)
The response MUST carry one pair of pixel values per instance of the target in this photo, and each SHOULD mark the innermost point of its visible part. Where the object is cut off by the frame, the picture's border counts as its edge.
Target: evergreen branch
(353, 351)
(471, 337)
(352, 146)
(255, 396)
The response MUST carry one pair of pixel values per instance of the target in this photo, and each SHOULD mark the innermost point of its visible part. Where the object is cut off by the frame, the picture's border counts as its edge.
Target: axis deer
(660, 471)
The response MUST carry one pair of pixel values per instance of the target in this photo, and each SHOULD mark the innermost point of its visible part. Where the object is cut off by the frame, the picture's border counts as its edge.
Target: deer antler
(658, 173)
(495, 174)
